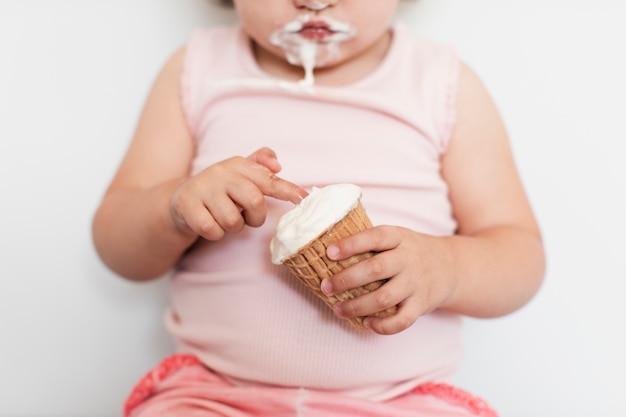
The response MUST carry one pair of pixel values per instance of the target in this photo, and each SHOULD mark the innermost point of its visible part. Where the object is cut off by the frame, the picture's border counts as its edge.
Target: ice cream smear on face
(315, 214)
(311, 41)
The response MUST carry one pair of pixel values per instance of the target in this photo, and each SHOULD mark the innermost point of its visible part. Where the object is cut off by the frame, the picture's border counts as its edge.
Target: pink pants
(182, 387)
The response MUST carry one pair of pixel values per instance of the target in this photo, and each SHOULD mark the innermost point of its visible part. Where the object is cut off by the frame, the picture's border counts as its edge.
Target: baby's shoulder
(223, 35)
(423, 51)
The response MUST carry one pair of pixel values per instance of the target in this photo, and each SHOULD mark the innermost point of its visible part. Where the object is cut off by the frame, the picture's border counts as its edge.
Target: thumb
(266, 157)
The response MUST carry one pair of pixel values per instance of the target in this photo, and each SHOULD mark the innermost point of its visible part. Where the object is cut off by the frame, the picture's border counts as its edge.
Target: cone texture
(310, 265)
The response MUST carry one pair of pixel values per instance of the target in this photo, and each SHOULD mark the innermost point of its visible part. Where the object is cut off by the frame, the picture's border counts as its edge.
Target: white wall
(73, 77)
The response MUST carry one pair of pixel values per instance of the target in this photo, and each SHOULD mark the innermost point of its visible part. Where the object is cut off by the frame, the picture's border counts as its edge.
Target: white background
(74, 338)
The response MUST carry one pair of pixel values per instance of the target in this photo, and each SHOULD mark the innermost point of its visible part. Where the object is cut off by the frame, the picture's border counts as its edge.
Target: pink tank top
(250, 320)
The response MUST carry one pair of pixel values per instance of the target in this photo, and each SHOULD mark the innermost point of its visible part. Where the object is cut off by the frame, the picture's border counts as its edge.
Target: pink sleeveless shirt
(250, 320)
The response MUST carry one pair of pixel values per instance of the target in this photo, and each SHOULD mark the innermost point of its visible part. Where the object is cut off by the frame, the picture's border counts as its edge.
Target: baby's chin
(322, 61)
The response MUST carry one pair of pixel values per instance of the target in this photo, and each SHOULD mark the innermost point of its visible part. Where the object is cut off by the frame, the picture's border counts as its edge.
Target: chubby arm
(498, 252)
(491, 267)
(154, 210)
(132, 228)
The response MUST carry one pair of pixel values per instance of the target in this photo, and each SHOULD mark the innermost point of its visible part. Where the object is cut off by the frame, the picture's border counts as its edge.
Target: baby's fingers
(368, 304)
(379, 267)
(377, 239)
(390, 294)
(267, 158)
(407, 314)
(200, 221)
(270, 184)
(273, 186)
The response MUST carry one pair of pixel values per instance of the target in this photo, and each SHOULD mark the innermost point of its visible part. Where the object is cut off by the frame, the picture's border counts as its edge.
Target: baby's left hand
(420, 269)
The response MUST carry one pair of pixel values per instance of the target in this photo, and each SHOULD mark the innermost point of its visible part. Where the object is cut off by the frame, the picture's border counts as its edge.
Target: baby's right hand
(230, 194)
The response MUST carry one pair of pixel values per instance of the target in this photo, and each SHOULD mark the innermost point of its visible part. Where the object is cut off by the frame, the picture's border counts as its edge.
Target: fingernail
(332, 252)
(338, 310)
(367, 322)
(326, 287)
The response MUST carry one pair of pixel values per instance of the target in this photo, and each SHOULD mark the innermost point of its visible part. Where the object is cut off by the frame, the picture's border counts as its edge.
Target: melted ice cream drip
(307, 57)
(310, 53)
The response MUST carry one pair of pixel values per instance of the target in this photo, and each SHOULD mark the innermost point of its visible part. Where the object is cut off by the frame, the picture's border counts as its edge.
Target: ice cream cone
(311, 265)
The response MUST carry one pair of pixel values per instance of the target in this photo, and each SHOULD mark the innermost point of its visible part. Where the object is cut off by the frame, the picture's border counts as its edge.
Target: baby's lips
(315, 31)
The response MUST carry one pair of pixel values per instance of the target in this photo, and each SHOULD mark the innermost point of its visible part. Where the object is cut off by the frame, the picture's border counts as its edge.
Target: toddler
(338, 92)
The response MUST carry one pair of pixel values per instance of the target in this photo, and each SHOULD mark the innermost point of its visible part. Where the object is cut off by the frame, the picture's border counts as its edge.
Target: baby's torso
(249, 319)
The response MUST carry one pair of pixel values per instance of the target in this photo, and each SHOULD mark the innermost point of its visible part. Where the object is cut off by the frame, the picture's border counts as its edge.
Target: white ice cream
(315, 214)
(310, 53)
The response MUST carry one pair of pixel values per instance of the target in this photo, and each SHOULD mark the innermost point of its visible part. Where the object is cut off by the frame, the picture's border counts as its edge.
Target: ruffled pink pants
(182, 387)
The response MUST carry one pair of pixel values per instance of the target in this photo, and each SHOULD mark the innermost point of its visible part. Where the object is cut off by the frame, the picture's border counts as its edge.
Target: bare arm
(498, 253)
(132, 229)
(154, 210)
(491, 267)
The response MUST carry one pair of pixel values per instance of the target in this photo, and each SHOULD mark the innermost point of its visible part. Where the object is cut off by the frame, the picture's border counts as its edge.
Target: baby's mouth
(311, 41)
(316, 31)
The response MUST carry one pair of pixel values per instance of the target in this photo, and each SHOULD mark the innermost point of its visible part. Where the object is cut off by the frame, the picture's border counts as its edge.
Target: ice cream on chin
(304, 233)
(311, 41)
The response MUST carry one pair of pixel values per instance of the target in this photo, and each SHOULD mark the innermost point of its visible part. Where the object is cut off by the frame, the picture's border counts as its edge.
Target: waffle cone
(311, 265)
